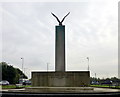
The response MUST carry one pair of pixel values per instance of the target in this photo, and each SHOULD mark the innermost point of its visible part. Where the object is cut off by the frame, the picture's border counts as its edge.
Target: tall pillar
(60, 48)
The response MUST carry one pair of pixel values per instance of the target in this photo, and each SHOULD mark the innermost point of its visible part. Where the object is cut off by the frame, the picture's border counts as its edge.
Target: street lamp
(24, 70)
(88, 63)
(22, 65)
(47, 75)
(47, 66)
(95, 75)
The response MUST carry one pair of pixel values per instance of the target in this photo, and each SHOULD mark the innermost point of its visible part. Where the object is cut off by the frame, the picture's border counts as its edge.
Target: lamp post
(47, 74)
(88, 63)
(95, 75)
(47, 66)
(22, 65)
(24, 70)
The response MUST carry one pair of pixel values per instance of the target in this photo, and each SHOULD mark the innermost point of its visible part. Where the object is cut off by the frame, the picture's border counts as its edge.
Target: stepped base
(59, 89)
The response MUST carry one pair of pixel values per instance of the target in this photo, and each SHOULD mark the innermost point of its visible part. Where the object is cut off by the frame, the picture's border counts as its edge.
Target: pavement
(62, 90)
(70, 92)
(106, 90)
(96, 92)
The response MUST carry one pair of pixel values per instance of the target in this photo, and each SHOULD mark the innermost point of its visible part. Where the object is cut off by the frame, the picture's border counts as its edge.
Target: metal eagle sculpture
(60, 22)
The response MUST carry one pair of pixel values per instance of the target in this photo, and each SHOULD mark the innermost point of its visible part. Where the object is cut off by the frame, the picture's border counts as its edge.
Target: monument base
(59, 89)
(61, 79)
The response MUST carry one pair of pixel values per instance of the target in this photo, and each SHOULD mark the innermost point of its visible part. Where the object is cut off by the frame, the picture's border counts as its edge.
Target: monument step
(59, 89)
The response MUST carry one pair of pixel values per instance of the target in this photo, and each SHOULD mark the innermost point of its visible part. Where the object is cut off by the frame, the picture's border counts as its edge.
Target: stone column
(60, 48)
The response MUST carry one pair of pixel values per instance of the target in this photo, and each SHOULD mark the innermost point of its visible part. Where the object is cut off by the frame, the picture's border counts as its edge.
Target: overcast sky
(91, 29)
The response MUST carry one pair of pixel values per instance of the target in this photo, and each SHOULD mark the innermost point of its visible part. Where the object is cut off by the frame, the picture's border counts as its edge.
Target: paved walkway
(106, 90)
(69, 89)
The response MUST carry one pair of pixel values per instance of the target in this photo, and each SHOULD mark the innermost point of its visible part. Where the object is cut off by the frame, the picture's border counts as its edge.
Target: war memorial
(60, 77)
(60, 82)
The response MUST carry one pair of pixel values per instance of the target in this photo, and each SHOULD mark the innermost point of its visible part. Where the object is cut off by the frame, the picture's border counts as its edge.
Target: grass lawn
(105, 86)
(13, 86)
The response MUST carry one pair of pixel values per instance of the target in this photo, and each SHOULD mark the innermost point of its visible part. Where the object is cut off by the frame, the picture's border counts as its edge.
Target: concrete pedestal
(61, 79)
(60, 48)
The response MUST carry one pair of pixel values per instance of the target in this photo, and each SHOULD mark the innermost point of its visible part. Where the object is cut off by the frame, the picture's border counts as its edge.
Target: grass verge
(105, 86)
(14, 86)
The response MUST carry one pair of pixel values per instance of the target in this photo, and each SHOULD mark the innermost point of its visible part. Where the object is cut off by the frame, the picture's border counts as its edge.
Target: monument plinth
(60, 48)
(60, 78)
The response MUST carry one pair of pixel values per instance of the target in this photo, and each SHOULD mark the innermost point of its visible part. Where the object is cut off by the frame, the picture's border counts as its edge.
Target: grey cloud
(29, 32)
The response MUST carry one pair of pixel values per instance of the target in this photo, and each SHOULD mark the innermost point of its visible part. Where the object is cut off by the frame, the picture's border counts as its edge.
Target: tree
(10, 73)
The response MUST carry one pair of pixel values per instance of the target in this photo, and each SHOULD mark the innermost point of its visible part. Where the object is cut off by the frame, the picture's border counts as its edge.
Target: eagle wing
(65, 17)
(55, 17)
